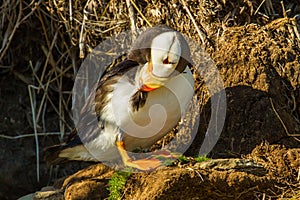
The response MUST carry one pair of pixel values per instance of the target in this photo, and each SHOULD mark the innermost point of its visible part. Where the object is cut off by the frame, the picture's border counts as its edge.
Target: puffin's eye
(166, 61)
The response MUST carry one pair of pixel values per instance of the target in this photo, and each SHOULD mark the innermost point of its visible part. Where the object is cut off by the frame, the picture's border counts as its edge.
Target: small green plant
(116, 184)
(201, 158)
(185, 159)
(168, 162)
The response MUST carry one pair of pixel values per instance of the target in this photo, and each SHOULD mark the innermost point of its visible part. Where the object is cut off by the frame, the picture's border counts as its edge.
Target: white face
(165, 54)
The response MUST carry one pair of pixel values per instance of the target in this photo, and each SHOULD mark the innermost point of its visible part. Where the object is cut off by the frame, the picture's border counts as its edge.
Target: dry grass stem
(33, 111)
(200, 33)
(29, 135)
(141, 14)
(279, 118)
(132, 19)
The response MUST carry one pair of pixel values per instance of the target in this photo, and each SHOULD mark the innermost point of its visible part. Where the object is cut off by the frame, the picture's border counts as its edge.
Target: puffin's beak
(149, 87)
(148, 82)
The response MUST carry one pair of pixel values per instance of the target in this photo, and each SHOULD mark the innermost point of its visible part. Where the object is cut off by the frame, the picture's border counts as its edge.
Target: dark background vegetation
(255, 45)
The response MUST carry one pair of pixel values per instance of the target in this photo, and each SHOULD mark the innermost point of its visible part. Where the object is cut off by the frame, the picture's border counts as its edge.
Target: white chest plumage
(142, 128)
(161, 112)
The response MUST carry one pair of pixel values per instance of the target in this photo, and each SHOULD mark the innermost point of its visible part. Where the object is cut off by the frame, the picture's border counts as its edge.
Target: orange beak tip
(146, 88)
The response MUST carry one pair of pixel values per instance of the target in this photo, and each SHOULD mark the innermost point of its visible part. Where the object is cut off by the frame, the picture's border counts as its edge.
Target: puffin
(135, 103)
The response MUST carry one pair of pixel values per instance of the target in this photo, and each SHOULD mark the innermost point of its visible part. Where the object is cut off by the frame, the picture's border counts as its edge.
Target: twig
(57, 112)
(17, 24)
(105, 9)
(61, 110)
(6, 67)
(43, 27)
(283, 9)
(33, 105)
(70, 11)
(269, 7)
(3, 51)
(295, 26)
(246, 191)
(200, 33)
(82, 35)
(277, 115)
(36, 5)
(43, 100)
(21, 77)
(138, 10)
(49, 56)
(61, 74)
(43, 116)
(28, 135)
(262, 2)
(66, 105)
(191, 169)
(132, 20)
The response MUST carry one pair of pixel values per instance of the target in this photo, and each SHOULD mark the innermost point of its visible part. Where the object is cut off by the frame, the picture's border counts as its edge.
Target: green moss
(201, 158)
(116, 184)
(168, 162)
(185, 159)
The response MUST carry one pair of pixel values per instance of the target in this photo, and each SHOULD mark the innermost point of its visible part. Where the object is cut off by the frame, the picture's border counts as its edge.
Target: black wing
(90, 113)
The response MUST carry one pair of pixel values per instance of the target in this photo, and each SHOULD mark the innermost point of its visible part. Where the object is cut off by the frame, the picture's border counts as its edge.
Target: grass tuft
(116, 184)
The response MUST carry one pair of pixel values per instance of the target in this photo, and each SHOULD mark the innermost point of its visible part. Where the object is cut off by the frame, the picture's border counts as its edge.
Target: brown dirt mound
(269, 171)
(273, 173)
(260, 69)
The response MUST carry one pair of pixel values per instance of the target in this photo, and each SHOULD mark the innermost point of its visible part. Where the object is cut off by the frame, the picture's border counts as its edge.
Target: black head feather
(141, 48)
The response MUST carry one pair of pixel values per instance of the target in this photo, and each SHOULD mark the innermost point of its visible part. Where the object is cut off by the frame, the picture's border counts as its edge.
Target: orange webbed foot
(141, 164)
(144, 164)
